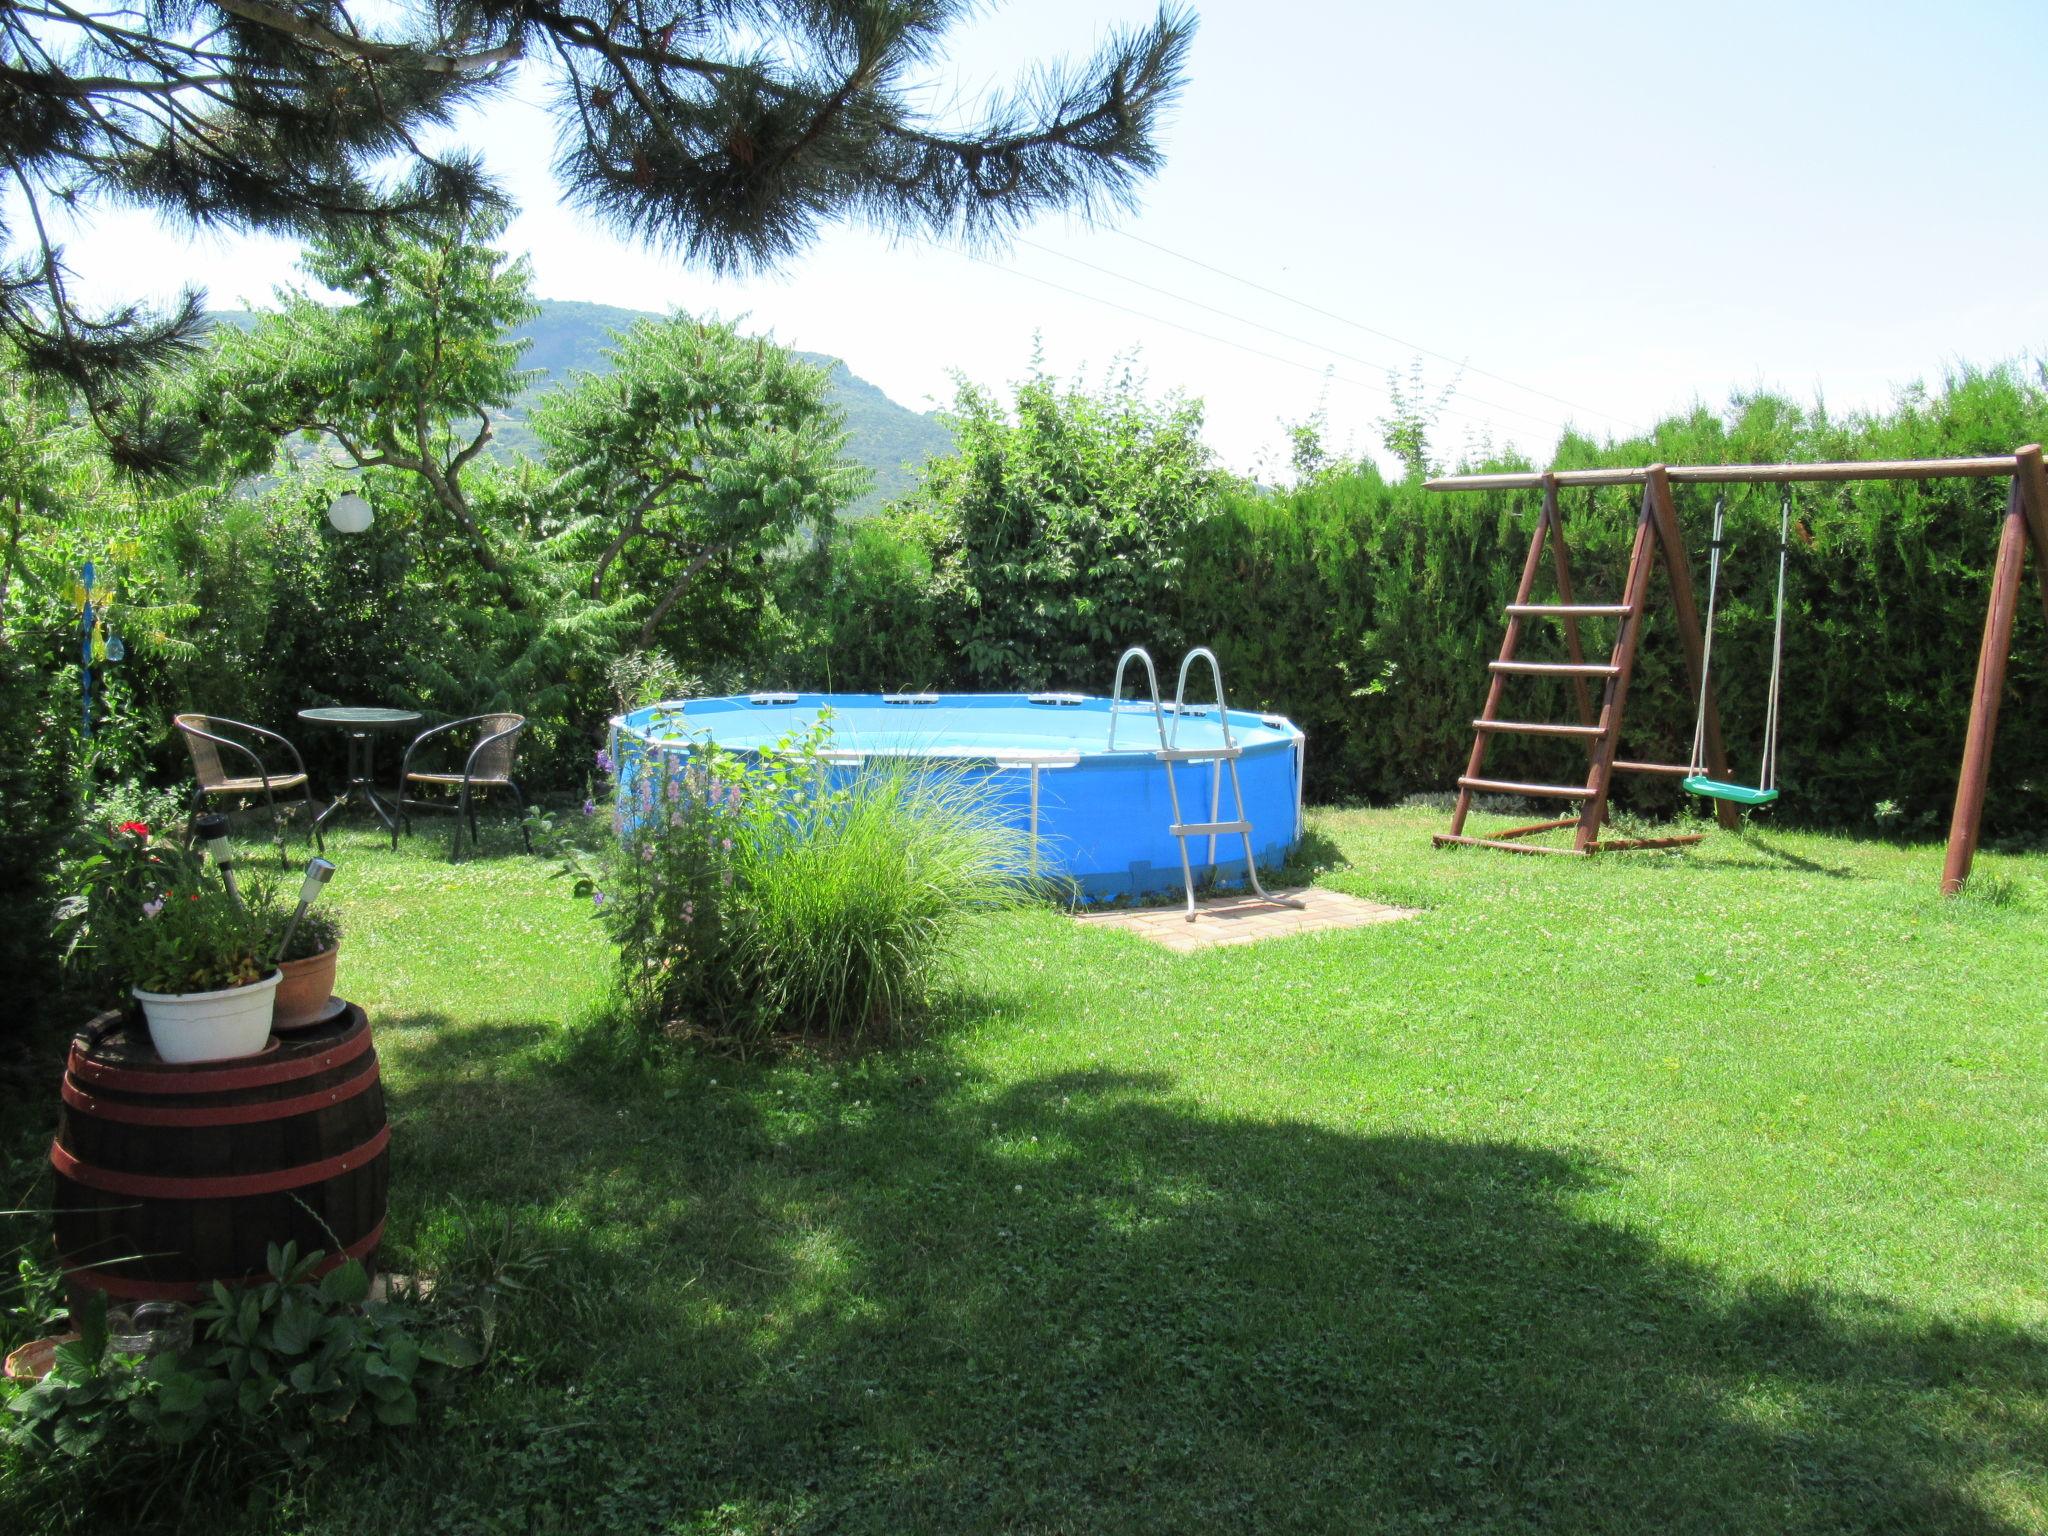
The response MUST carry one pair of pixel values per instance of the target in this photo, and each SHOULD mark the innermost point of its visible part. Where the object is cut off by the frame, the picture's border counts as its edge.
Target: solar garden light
(318, 873)
(212, 830)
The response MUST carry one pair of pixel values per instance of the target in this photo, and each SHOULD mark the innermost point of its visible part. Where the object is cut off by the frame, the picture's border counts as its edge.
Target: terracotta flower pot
(307, 988)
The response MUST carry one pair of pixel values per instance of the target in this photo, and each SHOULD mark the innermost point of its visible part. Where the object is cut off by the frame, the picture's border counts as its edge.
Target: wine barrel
(170, 1177)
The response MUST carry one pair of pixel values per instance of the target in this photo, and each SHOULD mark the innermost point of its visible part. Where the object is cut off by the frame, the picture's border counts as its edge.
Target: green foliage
(144, 912)
(699, 445)
(272, 902)
(1066, 518)
(300, 1358)
(754, 895)
(401, 378)
(1367, 612)
(855, 899)
(888, 583)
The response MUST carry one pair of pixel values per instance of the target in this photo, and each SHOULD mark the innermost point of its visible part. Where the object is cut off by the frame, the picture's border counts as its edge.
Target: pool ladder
(1220, 758)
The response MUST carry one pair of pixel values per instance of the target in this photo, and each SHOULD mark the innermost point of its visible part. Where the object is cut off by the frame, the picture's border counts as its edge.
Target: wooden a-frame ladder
(1657, 533)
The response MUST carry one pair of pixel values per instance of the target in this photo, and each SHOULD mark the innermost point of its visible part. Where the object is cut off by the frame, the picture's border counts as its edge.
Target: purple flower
(604, 761)
(725, 843)
(151, 908)
(689, 911)
(647, 854)
(597, 898)
(675, 789)
(590, 807)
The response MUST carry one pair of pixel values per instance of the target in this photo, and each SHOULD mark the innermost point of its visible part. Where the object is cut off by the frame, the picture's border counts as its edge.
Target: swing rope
(1767, 780)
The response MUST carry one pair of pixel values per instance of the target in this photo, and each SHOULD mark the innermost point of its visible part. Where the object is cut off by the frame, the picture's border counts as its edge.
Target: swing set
(1706, 773)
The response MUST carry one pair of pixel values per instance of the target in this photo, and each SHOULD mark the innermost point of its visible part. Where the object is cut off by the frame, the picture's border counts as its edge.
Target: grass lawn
(1680, 1192)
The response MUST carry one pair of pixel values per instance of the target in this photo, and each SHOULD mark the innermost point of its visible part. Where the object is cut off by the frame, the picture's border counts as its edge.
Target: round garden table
(363, 727)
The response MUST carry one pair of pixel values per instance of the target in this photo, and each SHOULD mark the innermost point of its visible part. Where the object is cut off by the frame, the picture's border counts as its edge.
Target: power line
(1331, 374)
(1350, 357)
(1374, 330)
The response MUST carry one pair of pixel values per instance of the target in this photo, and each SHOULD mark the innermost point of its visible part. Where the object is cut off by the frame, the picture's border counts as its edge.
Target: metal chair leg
(525, 832)
(312, 817)
(468, 815)
(284, 858)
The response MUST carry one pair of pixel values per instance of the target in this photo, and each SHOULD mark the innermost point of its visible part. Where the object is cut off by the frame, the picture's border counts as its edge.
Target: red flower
(140, 829)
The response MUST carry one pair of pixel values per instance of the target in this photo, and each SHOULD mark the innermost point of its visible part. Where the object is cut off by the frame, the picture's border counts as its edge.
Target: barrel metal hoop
(124, 1289)
(221, 1187)
(220, 1080)
(222, 1114)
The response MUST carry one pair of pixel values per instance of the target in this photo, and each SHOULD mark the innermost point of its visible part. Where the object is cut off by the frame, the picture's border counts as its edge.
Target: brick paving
(1237, 919)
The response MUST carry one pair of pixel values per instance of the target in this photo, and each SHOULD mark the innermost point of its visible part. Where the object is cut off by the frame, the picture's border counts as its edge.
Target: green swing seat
(1717, 789)
(1701, 784)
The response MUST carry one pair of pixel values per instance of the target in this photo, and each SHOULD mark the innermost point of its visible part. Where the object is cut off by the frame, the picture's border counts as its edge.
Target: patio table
(363, 727)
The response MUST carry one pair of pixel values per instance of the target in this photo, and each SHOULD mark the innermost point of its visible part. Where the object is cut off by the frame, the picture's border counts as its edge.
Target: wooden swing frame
(1658, 534)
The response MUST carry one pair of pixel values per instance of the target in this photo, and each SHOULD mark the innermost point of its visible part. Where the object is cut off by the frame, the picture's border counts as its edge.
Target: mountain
(569, 336)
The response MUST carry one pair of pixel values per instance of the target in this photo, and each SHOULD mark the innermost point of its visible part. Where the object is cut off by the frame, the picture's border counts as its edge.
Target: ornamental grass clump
(854, 900)
(762, 894)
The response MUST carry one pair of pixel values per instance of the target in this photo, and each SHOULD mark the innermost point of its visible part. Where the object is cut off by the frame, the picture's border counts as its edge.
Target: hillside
(569, 336)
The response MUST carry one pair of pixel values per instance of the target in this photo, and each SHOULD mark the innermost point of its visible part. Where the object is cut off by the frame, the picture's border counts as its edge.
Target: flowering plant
(670, 887)
(774, 892)
(147, 913)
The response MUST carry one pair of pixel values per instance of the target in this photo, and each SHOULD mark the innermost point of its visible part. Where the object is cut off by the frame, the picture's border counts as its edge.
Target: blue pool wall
(1102, 822)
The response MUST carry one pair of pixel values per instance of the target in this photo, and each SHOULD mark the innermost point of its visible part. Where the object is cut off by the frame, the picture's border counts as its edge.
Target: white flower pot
(210, 1026)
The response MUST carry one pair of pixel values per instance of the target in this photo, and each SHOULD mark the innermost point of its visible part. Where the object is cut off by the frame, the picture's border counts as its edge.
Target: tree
(403, 378)
(729, 130)
(701, 443)
(1068, 518)
(1405, 430)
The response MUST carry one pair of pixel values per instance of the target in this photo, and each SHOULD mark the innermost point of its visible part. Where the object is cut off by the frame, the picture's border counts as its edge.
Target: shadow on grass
(892, 1296)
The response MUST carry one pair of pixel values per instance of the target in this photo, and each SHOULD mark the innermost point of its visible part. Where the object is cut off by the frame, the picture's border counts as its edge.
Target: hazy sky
(1621, 206)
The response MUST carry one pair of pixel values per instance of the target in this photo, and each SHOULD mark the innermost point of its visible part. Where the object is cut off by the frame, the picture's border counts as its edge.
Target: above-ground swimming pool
(1099, 814)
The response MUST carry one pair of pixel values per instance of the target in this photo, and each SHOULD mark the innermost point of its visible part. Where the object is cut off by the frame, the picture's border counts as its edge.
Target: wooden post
(2033, 482)
(1992, 656)
(1636, 597)
(1530, 566)
(1678, 567)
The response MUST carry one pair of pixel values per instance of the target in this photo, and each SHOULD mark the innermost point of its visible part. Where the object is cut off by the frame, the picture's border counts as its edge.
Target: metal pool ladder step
(1220, 759)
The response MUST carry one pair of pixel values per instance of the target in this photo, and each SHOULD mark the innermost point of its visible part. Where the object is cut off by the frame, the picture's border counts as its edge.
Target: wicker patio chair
(494, 743)
(208, 736)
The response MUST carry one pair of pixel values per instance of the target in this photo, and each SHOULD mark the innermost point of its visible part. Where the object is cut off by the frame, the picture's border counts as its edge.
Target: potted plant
(163, 925)
(307, 959)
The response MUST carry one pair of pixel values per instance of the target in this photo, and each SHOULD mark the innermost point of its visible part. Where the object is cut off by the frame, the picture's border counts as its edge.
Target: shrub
(1064, 521)
(280, 1370)
(757, 894)
(854, 900)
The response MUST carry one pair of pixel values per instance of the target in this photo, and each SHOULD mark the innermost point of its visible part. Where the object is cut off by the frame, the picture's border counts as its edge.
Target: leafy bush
(280, 1368)
(152, 915)
(755, 894)
(1061, 527)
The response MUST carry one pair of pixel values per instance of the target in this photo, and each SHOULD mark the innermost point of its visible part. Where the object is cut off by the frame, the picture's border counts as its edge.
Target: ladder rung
(1510, 787)
(1557, 668)
(1197, 754)
(1209, 828)
(1536, 728)
(1568, 610)
(1675, 770)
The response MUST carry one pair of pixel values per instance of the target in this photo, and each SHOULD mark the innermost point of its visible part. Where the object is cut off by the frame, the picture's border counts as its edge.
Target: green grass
(1688, 1192)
